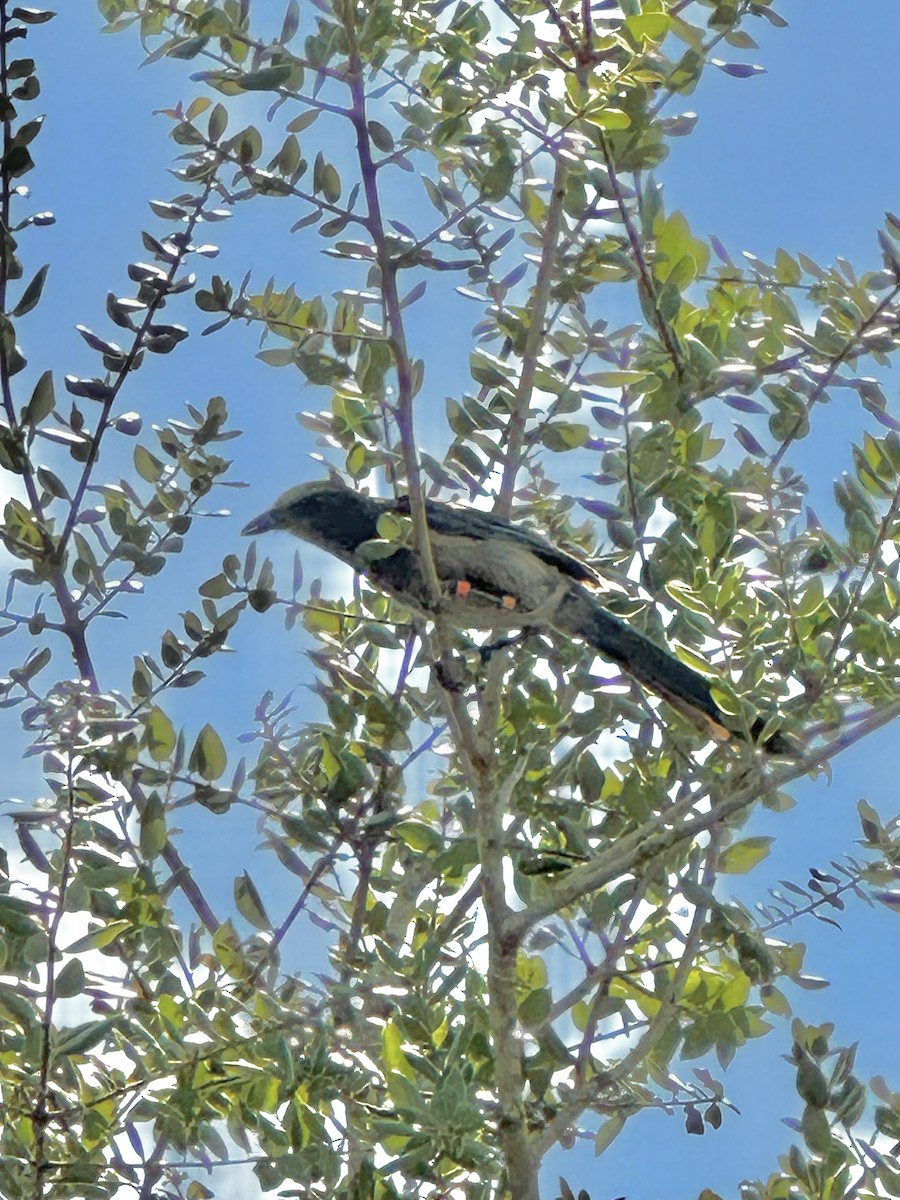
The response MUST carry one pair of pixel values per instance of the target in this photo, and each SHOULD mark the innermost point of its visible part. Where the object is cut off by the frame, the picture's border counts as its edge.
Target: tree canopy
(504, 921)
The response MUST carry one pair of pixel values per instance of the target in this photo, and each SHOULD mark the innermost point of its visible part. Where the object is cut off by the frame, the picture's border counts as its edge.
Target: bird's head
(297, 506)
(328, 514)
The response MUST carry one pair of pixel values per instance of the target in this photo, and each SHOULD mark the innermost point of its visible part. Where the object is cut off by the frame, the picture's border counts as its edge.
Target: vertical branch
(395, 330)
(521, 1164)
(477, 762)
(162, 290)
(672, 994)
(57, 580)
(637, 522)
(39, 1113)
(646, 282)
(534, 341)
(28, 478)
(52, 553)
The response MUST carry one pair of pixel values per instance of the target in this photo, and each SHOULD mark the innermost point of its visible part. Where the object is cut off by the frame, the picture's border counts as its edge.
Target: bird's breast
(485, 582)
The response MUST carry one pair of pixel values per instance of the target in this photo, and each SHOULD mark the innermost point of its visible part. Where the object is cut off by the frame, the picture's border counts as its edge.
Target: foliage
(511, 966)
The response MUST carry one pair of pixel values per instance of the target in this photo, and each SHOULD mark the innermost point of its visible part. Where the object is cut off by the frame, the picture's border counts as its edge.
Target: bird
(498, 575)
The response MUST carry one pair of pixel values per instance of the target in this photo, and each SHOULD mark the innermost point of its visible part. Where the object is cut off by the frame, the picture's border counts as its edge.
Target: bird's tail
(580, 615)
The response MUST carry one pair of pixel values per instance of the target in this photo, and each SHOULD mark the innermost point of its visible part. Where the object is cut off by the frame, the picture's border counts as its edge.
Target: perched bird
(494, 575)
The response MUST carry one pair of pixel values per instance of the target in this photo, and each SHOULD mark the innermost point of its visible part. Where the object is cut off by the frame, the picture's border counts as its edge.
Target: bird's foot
(452, 674)
(489, 649)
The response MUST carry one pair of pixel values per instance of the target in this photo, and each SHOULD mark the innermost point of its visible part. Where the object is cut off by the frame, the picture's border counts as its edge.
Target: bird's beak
(260, 524)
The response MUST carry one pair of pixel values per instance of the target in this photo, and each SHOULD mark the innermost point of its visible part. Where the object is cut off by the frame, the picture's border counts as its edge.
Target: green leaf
(20, 68)
(32, 294)
(743, 856)
(16, 161)
(686, 597)
(608, 118)
(42, 402)
(693, 659)
(83, 1037)
(870, 821)
(330, 184)
(217, 587)
(811, 598)
(218, 122)
(816, 1130)
(563, 435)
(16, 1008)
(787, 269)
(418, 836)
(648, 26)
(208, 757)
(617, 379)
(319, 620)
(249, 903)
(99, 939)
(153, 827)
(213, 22)
(591, 777)
(607, 1133)
(392, 1048)
(381, 136)
(266, 79)
(291, 22)
(147, 465)
(535, 1008)
(70, 980)
(32, 16)
(159, 735)
(303, 121)
(404, 1093)
(227, 946)
(277, 356)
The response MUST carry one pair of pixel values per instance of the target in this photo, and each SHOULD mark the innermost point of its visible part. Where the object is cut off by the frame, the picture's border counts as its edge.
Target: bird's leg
(536, 619)
(489, 649)
(449, 675)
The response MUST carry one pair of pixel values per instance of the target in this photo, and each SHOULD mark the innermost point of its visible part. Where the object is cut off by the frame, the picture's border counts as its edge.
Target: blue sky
(803, 157)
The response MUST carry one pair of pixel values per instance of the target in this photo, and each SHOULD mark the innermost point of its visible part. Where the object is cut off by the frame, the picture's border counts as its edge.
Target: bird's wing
(473, 523)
